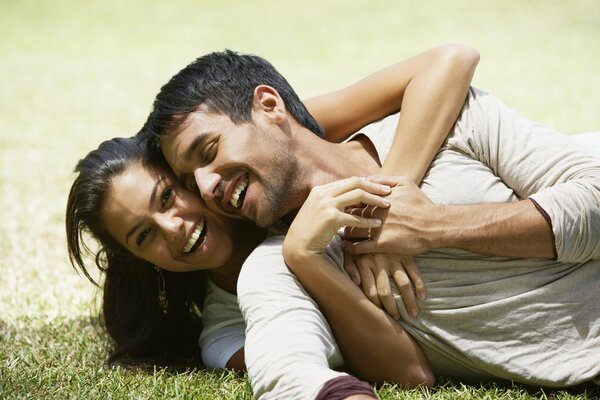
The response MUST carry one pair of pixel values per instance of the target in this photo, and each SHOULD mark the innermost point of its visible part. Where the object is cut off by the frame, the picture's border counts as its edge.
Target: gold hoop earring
(162, 291)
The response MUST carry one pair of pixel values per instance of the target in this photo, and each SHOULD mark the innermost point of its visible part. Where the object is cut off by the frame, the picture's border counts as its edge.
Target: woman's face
(151, 215)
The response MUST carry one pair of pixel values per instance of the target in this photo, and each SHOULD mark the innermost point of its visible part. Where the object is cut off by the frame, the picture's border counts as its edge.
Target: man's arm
(559, 219)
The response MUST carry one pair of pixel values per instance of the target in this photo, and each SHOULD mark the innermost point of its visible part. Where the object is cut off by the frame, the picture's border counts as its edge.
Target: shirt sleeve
(223, 332)
(219, 346)
(552, 169)
(289, 344)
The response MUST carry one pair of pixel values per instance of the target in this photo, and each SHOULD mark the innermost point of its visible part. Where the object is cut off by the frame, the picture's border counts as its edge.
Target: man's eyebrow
(197, 142)
(150, 202)
(188, 154)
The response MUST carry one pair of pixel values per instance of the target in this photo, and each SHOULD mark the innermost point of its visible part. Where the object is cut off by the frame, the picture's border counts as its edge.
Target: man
(272, 164)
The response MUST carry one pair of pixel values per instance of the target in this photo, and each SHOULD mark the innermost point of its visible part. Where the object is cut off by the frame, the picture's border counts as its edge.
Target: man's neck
(321, 162)
(328, 162)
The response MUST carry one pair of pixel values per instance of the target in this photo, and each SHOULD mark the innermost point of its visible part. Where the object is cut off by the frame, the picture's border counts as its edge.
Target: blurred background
(77, 72)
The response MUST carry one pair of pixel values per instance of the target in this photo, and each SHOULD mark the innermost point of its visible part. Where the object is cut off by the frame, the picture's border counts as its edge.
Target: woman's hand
(372, 273)
(323, 214)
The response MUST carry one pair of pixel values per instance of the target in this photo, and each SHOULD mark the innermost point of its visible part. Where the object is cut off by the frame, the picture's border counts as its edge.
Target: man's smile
(237, 198)
(235, 194)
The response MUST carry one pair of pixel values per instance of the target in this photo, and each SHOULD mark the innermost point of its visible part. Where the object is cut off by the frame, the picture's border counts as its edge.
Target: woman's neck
(246, 238)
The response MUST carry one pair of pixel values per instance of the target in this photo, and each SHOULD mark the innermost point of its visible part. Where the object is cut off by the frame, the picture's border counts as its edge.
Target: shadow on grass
(66, 358)
(585, 391)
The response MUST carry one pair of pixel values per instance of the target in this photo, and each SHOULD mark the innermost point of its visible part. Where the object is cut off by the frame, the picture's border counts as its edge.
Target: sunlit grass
(78, 72)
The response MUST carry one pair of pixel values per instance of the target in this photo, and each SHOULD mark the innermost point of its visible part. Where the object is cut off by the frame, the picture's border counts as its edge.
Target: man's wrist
(443, 231)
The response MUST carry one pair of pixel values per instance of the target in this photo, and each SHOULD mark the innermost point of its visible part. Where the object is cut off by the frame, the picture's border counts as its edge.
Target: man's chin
(264, 220)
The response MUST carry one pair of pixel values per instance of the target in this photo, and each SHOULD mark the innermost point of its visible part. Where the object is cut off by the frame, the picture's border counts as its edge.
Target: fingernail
(413, 313)
(376, 222)
(421, 295)
(385, 187)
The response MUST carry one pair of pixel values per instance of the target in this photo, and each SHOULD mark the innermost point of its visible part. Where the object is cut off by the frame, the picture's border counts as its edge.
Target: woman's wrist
(296, 255)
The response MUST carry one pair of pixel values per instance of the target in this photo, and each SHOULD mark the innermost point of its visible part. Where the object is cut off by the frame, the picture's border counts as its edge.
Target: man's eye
(166, 196)
(208, 152)
(190, 184)
(142, 236)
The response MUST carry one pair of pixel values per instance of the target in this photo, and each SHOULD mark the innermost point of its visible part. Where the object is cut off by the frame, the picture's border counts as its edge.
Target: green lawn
(78, 72)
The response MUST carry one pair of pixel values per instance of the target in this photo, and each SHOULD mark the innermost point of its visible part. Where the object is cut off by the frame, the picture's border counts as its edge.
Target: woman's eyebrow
(150, 202)
(154, 190)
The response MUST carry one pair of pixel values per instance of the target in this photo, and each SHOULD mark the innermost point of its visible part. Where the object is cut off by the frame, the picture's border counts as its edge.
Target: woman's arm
(429, 89)
(237, 361)
(373, 344)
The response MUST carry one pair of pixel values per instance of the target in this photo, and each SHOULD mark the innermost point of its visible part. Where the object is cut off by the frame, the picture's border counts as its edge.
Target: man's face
(245, 171)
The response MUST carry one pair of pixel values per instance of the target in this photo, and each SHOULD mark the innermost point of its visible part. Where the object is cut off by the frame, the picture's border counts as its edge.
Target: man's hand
(373, 271)
(410, 224)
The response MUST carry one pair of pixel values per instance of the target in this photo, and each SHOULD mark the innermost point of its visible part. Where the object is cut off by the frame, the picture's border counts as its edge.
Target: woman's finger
(364, 264)
(356, 221)
(345, 185)
(404, 287)
(363, 247)
(356, 196)
(388, 180)
(351, 268)
(415, 277)
(384, 290)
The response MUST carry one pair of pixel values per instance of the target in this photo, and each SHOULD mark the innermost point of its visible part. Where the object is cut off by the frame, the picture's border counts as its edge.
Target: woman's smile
(151, 215)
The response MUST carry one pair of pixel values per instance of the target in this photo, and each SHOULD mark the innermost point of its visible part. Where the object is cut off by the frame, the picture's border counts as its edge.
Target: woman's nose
(172, 226)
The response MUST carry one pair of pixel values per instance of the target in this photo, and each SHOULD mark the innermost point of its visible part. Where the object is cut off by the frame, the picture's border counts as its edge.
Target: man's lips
(233, 198)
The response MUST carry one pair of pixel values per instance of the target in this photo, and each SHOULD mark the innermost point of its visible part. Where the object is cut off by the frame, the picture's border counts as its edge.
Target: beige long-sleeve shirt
(533, 321)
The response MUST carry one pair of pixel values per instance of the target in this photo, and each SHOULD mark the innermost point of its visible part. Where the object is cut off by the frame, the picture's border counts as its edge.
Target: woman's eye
(166, 196)
(142, 236)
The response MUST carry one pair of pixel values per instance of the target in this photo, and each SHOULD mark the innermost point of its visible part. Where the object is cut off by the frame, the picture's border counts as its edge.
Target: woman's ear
(267, 100)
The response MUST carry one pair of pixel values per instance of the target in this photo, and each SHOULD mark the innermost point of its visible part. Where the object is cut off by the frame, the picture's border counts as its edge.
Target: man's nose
(208, 183)
(171, 226)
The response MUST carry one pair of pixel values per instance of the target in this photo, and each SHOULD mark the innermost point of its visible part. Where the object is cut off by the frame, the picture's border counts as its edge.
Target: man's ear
(267, 100)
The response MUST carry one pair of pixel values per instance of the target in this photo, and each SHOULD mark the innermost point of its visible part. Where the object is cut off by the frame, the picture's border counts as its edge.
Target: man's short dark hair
(223, 82)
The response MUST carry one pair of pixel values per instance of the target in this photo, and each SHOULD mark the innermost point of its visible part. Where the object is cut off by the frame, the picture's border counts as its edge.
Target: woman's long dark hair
(143, 333)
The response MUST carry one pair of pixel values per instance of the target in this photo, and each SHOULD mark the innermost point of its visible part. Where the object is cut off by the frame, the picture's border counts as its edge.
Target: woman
(140, 329)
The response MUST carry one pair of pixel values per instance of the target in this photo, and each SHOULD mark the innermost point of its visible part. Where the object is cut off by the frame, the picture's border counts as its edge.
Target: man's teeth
(235, 197)
(195, 236)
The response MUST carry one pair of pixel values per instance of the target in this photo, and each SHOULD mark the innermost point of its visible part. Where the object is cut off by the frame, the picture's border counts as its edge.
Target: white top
(534, 321)
(223, 327)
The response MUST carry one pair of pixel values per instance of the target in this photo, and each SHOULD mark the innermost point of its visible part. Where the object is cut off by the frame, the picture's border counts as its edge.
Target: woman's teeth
(194, 238)
(235, 197)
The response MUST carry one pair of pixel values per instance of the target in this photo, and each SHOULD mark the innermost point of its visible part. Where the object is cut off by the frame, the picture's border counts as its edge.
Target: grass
(75, 73)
